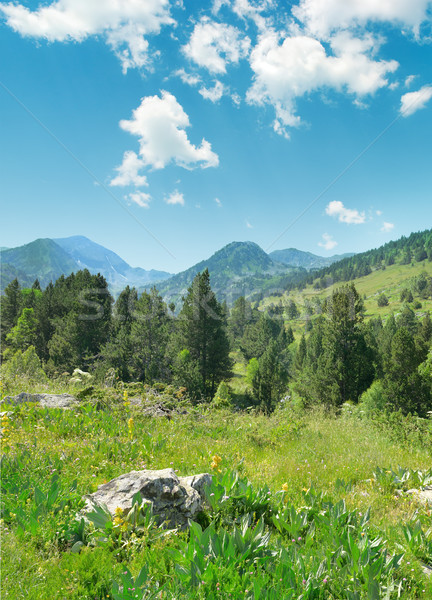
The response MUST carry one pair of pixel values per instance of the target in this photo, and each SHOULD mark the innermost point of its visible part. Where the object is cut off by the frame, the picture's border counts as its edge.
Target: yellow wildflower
(130, 427)
(285, 487)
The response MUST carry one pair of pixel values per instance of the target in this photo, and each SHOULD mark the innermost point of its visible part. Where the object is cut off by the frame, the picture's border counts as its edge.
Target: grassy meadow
(302, 506)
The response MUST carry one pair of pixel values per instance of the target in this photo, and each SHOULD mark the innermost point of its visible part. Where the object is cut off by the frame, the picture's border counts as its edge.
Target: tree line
(75, 323)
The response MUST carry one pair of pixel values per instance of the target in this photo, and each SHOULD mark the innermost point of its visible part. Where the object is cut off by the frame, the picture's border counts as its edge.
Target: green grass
(66, 454)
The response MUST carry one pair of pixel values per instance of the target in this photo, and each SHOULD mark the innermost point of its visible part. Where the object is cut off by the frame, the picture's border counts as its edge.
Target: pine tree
(149, 338)
(340, 367)
(270, 381)
(403, 384)
(10, 308)
(201, 329)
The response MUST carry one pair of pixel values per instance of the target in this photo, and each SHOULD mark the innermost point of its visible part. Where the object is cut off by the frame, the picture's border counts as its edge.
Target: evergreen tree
(289, 336)
(426, 328)
(149, 338)
(10, 308)
(292, 310)
(342, 367)
(258, 335)
(241, 315)
(301, 353)
(82, 319)
(270, 381)
(408, 320)
(201, 329)
(403, 385)
(124, 309)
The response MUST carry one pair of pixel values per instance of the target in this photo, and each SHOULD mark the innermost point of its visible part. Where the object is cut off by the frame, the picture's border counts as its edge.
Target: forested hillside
(415, 248)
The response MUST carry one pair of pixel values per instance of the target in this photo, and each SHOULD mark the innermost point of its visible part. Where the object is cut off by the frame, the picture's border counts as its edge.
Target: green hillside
(390, 281)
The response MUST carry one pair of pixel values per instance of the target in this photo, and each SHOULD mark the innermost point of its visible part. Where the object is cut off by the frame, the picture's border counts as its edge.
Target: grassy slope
(390, 281)
(93, 447)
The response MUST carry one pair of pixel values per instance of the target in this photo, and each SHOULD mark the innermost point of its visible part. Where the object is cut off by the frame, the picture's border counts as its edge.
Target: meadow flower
(285, 487)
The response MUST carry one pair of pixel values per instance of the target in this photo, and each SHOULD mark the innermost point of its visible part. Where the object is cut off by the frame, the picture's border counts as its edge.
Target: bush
(25, 366)
(373, 398)
(382, 300)
(222, 398)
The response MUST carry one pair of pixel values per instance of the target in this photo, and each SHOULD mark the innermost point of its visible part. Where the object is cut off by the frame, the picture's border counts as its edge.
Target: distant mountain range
(307, 260)
(240, 268)
(48, 259)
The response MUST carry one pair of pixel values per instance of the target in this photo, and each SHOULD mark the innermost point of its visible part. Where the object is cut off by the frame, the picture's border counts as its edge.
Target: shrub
(24, 365)
(373, 398)
(382, 300)
(222, 398)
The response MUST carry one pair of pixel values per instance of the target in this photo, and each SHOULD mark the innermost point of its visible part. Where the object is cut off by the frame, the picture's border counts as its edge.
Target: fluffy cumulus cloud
(128, 171)
(160, 124)
(298, 65)
(328, 243)
(139, 198)
(175, 197)
(343, 214)
(214, 45)
(124, 24)
(321, 18)
(387, 227)
(414, 101)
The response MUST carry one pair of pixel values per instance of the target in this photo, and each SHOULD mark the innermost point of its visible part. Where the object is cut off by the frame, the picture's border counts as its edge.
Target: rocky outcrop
(44, 400)
(174, 500)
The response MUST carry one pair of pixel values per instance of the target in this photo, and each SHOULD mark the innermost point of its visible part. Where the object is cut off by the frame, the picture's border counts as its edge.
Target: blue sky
(164, 130)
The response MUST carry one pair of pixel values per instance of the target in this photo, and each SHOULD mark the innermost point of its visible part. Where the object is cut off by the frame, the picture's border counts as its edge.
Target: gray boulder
(174, 500)
(44, 400)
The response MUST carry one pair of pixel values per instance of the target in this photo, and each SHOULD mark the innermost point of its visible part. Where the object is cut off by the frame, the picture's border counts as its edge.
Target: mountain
(47, 259)
(97, 259)
(307, 260)
(42, 259)
(240, 268)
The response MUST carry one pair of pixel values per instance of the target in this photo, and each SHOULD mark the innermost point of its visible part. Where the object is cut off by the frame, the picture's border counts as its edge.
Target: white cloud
(387, 227)
(128, 171)
(160, 125)
(213, 45)
(218, 202)
(236, 99)
(245, 9)
(414, 101)
(378, 213)
(345, 215)
(139, 198)
(300, 66)
(328, 242)
(123, 24)
(215, 93)
(249, 225)
(189, 78)
(175, 197)
(323, 17)
(409, 80)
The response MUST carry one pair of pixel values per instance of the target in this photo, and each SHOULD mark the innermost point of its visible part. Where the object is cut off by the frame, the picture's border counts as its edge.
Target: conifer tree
(201, 329)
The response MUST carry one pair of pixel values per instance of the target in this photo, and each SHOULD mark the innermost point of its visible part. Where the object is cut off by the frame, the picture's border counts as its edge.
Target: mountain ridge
(47, 259)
